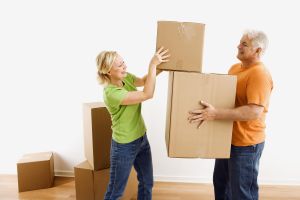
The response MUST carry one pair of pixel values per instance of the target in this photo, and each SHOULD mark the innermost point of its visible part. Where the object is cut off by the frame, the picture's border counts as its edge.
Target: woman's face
(118, 69)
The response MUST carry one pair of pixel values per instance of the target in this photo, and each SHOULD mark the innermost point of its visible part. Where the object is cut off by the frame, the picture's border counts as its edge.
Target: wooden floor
(64, 188)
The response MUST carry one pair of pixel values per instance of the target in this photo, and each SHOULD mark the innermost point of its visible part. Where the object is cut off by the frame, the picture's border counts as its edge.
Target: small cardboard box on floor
(35, 171)
(185, 43)
(97, 135)
(213, 138)
(92, 185)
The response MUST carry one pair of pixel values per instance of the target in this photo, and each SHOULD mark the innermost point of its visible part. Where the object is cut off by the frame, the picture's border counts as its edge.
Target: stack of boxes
(92, 175)
(187, 86)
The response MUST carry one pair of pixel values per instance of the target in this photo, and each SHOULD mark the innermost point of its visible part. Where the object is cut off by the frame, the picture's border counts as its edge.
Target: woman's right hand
(160, 57)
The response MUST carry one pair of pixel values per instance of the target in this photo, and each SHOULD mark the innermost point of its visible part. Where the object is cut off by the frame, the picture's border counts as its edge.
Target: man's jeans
(122, 158)
(236, 178)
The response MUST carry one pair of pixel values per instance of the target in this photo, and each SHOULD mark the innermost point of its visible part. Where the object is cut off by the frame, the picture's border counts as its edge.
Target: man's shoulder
(261, 69)
(234, 68)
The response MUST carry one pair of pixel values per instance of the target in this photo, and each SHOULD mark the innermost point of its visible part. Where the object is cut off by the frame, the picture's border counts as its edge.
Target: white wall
(47, 62)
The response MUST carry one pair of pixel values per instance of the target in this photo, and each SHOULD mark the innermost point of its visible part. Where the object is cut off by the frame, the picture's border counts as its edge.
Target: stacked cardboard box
(91, 184)
(92, 175)
(35, 171)
(187, 86)
(97, 135)
(185, 43)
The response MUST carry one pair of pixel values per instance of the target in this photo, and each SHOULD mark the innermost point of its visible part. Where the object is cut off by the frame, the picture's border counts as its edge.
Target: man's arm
(242, 113)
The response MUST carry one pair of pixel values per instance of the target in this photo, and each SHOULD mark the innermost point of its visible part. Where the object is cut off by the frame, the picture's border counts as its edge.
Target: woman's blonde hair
(104, 61)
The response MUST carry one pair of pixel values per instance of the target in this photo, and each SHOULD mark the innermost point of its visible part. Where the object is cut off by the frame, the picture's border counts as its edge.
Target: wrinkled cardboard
(185, 42)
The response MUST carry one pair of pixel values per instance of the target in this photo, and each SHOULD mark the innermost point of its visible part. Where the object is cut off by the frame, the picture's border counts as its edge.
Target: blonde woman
(130, 146)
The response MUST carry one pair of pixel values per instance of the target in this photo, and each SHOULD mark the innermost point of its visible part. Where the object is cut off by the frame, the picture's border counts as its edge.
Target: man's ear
(259, 50)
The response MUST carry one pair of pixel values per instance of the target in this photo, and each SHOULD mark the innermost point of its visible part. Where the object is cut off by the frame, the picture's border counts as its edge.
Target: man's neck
(250, 63)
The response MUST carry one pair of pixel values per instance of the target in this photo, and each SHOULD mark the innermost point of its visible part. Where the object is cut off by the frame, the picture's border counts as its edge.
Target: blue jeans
(236, 178)
(122, 158)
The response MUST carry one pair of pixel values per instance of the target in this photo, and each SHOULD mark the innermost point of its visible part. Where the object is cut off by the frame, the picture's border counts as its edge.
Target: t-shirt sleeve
(115, 96)
(130, 77)
(259, 88)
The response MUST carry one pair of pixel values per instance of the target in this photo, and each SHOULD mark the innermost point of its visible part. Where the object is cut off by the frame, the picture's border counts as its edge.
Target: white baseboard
(188, 179)
(64, 173)
(181, 179)
(279, 182)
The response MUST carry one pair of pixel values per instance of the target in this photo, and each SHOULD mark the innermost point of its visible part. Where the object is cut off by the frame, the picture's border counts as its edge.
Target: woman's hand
(160, 57)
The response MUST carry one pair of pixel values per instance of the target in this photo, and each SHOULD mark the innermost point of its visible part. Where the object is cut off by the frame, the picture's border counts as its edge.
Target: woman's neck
(118, 83)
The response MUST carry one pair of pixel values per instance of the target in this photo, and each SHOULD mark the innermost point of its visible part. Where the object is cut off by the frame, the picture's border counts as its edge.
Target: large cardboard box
(92, 185)
(185, 43)
(97, 135)
(35, 171)
(213, 138)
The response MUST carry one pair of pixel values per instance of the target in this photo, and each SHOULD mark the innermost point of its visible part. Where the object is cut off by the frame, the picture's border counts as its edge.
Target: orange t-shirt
(254, 86)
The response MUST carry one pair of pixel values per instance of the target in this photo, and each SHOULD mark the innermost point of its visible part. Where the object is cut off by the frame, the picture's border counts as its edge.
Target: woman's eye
(121, 64)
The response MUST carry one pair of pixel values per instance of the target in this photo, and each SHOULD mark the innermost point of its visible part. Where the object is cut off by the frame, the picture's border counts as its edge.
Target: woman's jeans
(236, 178)
(122, 158)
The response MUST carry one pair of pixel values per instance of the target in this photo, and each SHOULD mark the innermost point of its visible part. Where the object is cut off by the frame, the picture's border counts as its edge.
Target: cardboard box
(92, 185)
(185, 43)
(213, 138)
(35, 171)
(97, 135)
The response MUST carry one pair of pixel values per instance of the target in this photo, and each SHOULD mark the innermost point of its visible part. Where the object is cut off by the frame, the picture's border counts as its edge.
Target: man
(236, 178)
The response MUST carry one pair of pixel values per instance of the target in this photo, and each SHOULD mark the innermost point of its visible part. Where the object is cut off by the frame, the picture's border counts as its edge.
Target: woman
(130, 146)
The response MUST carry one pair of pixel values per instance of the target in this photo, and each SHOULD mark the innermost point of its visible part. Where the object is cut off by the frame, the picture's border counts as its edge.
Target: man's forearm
(242, 113)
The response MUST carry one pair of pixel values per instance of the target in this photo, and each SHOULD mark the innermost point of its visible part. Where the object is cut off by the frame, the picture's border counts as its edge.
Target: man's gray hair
(258, 38)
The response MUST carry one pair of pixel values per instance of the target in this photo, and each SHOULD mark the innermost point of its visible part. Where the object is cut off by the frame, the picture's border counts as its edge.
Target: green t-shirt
(127, 121)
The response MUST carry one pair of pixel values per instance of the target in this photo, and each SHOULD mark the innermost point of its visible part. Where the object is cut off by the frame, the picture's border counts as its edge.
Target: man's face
(246, 51)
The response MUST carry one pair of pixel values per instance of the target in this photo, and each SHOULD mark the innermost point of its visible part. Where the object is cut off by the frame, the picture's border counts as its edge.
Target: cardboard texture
(35, 171)
(97, 135)
(92, 185)
(185, 42)
(213, 138)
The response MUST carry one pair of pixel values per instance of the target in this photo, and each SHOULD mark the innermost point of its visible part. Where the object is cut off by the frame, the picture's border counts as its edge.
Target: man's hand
(200, 115)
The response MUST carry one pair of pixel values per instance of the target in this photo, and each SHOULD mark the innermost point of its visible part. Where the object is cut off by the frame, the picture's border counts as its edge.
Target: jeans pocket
(125, 152)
